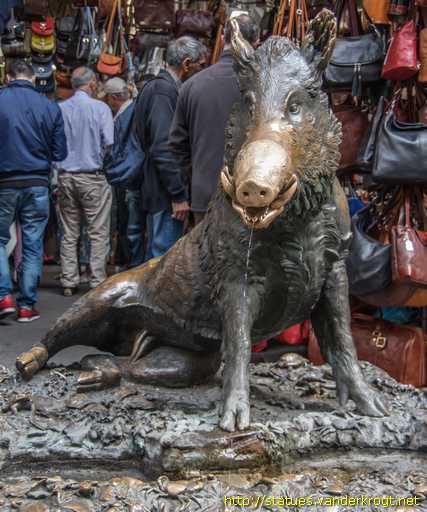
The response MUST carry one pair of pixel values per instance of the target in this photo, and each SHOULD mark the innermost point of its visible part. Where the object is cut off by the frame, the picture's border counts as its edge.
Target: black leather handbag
(369, 261)
(357, 59)
(366, 154)
(401, 152)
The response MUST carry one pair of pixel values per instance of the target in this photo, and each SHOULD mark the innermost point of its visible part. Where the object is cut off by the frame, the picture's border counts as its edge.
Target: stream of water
(248, 255)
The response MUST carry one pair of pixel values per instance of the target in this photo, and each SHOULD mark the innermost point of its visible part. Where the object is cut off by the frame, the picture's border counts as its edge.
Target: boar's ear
(319, 41)
(242, 50)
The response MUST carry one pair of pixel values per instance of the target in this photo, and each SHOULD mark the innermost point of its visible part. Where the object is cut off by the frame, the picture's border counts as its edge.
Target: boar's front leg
(238, 314)
(331, 322)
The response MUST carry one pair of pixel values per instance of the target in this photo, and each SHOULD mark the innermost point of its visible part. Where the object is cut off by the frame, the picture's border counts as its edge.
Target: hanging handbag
(369, 261)
(13, 40)
(398, 8)
(422, 75)
(36, 7)
(155, 14)
(355, 60)
(409, 247)
(64, 31)
(377, 10)
(401, 61)
(87, 38)
(401, 152)
(43, 28)
(42, 44)
(399, 350)
(195, 23)
(366, 154)
(354, 124)
(109, 63)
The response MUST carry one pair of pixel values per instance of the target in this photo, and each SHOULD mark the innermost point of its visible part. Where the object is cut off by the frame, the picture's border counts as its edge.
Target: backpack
(123, 164)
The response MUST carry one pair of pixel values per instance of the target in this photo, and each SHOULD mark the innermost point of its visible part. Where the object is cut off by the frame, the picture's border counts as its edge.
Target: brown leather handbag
(377, 10)
(409, 248)
(354, 125)
(109, 63)
(422, 75)
(36, 7)
(400, 350)
(196, 23)
(155, 14)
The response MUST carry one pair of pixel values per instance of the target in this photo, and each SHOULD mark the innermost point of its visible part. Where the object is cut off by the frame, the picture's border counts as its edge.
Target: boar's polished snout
(262, 183)
(260, 173)
(251, 193)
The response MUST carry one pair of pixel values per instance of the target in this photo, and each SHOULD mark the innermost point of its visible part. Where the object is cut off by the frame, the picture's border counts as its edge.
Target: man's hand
(180, 210)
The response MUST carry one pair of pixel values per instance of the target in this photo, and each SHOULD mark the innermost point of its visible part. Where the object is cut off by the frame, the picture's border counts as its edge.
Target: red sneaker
(27, 315)
(7, 306)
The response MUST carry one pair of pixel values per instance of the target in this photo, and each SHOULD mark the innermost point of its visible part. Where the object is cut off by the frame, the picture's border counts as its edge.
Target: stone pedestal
(138, 446)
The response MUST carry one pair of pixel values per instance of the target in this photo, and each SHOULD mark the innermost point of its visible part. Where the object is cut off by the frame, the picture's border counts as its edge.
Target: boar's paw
(367, 401)
(236, 413)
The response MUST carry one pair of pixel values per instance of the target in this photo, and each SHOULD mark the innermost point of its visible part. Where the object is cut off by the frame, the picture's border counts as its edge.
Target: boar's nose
(252, 193)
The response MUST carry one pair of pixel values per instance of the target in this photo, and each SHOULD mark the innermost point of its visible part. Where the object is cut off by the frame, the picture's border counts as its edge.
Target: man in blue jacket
(32, 136)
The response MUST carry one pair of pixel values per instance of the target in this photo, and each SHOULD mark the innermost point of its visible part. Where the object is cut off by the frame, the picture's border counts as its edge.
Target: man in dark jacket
(197, 137)
(123, 168)
(32, 136)
(164, 192)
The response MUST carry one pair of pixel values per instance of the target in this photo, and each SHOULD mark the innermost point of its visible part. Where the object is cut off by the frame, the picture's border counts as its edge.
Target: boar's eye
(294, 108)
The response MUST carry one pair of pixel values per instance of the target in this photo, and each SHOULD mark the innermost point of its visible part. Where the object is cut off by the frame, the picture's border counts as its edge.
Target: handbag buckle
(379, 340)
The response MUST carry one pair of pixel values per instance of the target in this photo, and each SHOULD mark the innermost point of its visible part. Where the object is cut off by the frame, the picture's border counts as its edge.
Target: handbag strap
(108, 37)
(298, 19)
(351, 7)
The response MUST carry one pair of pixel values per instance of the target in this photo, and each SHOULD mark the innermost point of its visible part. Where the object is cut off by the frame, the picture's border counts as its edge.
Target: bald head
(82, 78)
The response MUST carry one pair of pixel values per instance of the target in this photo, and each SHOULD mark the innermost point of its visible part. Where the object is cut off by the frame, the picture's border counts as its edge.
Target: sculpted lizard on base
(179, 314)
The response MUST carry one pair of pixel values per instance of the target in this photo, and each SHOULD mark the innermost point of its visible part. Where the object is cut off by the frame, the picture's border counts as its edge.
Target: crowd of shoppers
(152, 154)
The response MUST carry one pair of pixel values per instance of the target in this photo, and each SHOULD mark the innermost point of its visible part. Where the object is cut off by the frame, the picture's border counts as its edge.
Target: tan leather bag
(400, 350)
(377, 10)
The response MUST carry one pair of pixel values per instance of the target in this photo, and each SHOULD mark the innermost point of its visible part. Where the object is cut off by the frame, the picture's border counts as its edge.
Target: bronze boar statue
(270, 252)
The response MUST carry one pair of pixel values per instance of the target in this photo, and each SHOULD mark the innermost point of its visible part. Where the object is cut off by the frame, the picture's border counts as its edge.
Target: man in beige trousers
(83, 188)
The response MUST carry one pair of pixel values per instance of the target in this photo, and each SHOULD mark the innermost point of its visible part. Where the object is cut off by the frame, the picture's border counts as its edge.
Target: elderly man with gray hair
(83, 188)
(164, 193)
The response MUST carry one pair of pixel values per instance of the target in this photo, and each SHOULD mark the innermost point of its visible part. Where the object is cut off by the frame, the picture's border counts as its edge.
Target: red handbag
(401, 61)
(43, 28)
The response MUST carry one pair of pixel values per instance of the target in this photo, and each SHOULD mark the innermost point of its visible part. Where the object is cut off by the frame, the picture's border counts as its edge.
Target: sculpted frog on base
(207, 298)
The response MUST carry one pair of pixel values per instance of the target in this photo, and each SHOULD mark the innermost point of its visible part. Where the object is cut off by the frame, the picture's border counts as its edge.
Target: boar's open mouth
(260, 217)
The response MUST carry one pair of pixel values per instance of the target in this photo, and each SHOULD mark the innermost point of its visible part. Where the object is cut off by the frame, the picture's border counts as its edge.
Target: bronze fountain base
(138, 446)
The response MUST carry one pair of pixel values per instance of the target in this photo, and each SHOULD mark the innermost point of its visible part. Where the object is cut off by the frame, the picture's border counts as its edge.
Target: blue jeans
(163, 232)
(30, 206)
(135, 228)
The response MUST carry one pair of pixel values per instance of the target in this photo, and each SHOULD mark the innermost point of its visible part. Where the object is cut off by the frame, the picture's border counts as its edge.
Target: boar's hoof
(29, 363)
(236, 413)
(367, 401)
(97, 380)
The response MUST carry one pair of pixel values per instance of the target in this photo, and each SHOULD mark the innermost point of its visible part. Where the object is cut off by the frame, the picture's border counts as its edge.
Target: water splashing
(248, 254)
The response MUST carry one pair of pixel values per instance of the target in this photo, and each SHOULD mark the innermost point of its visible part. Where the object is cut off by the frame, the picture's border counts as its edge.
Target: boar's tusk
(227, 182)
